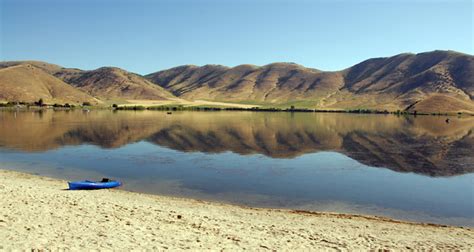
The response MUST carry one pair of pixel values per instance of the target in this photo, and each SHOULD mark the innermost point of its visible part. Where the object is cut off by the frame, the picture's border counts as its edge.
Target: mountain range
(437, 81)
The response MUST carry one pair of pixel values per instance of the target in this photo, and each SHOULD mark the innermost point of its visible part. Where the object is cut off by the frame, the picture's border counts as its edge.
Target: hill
(438, 81)
(111, 83)
(106, 83)
(273, 83)
(28, 83)
(47, 67)
(392, 83)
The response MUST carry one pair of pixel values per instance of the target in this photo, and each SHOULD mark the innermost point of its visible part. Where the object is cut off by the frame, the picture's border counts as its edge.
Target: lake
(412, 168)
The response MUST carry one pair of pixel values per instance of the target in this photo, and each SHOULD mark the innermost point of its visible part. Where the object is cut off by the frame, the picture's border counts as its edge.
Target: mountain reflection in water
(425, 145)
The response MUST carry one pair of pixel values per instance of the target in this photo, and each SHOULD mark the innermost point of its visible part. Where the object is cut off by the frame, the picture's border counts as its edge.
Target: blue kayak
(91, 185)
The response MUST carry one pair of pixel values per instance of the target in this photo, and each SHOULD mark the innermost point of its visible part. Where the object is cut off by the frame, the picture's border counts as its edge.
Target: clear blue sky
(146, 36)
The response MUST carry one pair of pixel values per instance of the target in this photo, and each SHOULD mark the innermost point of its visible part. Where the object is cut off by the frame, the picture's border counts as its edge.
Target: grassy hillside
(114, 83)
(393, 83)
(438, 81)
(29, 83)
(273, 83)
(107, 83)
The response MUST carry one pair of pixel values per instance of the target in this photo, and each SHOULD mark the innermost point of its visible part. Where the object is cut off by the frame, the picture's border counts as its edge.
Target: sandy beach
(38, 213)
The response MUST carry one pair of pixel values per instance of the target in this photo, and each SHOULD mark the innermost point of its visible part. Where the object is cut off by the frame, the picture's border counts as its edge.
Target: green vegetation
(40, 102)
(310, 104)
(131, 108)
(66, 105)
(261, 109)
(180, 107)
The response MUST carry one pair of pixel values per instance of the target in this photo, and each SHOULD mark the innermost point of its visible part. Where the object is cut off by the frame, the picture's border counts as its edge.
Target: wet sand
(37, 213)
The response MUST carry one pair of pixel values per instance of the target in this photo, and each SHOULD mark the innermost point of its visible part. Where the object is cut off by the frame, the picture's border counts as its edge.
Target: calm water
(404, 167)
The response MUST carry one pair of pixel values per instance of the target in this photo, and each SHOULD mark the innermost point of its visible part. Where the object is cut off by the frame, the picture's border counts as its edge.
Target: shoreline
(230, 109)
(40, 214)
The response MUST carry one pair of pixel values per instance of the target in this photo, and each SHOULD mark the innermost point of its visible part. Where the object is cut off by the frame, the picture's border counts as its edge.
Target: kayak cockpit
(92, 185)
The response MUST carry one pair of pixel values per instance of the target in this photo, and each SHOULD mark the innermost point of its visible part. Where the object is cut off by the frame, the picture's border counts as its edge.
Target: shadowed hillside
(432, 80)
(114, 83)
(438, 81)
(274, 83)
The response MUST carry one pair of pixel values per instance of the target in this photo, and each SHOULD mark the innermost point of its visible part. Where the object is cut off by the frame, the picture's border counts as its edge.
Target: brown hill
(392, 83)
(438, 81)
(28, 83)
(114, 83)
(47, 67)
(408, 79)
(105, 83)
(274, 83)
(439, 103)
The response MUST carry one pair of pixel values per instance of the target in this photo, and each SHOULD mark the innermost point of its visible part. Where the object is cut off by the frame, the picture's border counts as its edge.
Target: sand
(37, 213)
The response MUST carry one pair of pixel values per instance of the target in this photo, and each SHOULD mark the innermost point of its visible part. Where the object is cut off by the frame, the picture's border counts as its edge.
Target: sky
(145, 36)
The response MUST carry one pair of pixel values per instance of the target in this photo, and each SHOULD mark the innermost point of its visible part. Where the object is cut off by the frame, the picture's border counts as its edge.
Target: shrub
(40, 102)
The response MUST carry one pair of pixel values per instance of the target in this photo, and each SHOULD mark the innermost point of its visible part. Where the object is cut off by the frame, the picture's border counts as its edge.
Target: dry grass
(115, 83)
(444, 103)
(29, 83)
(185, 103)
(439, 81)
(384, 83)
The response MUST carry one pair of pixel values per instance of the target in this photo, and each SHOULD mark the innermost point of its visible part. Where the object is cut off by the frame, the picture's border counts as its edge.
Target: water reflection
(322, 162)
(423, 145)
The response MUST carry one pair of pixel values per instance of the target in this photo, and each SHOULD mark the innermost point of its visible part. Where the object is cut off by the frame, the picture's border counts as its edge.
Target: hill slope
(105, 83)
(47, 67)
(25, 82)
(438, 81)
(273, 83)
(114, 83)
(397, 82)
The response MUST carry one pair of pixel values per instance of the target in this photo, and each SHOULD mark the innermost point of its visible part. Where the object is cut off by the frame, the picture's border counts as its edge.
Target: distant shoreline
(168, 108)
(39, 214)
